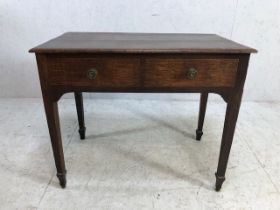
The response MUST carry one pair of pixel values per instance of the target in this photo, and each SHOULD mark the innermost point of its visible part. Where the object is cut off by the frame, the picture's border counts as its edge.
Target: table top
(90, 42)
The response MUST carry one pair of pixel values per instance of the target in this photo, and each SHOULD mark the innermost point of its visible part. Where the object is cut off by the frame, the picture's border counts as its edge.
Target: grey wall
(24, 24)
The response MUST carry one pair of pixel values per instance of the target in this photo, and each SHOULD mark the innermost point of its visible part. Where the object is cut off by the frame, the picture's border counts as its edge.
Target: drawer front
(94, 72)
(182, 73)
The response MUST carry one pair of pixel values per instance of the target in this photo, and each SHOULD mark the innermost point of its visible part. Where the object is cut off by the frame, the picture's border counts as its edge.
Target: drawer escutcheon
(191, 74)
(92, 73)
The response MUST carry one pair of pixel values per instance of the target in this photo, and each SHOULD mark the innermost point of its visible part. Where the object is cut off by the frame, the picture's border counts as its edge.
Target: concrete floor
(139, 154)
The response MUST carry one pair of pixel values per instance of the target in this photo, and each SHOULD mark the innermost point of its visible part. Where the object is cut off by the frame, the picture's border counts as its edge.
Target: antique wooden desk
(127, 62)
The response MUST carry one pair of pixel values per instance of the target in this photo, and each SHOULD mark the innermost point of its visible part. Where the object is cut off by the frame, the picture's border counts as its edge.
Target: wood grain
(112, 72)
(79, 42)
(141, 71)
(173, 72)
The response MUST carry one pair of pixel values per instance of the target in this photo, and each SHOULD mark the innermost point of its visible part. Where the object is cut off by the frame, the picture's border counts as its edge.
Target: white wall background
(26, 23)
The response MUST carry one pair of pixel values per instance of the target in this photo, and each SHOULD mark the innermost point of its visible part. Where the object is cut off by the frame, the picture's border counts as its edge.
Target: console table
(141, 62)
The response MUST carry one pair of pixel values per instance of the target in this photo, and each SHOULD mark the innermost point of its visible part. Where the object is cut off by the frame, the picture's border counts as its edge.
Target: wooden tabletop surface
(90, 42)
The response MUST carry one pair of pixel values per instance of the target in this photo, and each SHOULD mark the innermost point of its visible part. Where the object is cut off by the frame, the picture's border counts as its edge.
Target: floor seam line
(72, 135)
(45, 190)
(259, 162)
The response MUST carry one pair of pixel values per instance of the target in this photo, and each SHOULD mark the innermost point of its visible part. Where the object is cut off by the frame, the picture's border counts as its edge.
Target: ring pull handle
(92, 73)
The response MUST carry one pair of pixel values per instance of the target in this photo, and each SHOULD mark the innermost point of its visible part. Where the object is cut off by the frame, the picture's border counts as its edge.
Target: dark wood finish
(202, 110)
(229, 126)
(162, 72)
(113, 71)
(121, 62)
(80, 42)
(51, 109)
(141, 71)
(80, 113)
(233, 105)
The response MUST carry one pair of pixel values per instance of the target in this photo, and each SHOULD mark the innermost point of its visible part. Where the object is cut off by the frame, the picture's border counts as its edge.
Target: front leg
(228, 133)
(51, 109)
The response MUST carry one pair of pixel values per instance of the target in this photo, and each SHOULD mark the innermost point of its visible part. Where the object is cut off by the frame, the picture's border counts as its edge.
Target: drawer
(180, 73)
(94, 72)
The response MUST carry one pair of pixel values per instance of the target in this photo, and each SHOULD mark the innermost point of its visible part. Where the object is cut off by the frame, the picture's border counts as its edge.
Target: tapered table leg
(202, 110)
(51, 109)
(228, 133)
(80, 112)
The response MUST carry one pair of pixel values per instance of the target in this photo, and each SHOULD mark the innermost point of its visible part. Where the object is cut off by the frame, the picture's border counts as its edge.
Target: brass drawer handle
(92, 73)
(191, 74)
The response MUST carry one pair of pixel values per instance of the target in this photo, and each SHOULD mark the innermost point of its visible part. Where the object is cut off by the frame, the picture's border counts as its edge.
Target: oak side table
(141, 62)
